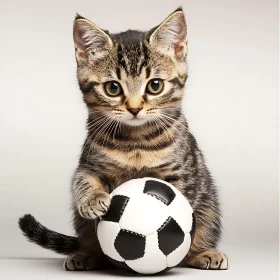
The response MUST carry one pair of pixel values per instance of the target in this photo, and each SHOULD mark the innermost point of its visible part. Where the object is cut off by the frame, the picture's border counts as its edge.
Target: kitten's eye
(154, 86)
(113, 88)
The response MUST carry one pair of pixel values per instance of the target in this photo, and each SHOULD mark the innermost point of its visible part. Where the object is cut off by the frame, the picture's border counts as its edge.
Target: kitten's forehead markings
(133, 86)
(126, 61)
(121, 62)
(136, 83)
(142, 59)
(112, 75)
(132, 57)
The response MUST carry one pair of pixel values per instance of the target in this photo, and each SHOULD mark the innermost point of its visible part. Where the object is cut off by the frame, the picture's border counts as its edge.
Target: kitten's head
(135, 77)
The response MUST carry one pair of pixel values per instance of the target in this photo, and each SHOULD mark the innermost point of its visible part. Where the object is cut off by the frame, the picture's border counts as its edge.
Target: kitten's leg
(90, 256)
(209, 259)
(80, 262)
(90, 200)
(90, 197)
(86, 261)
(203, 254)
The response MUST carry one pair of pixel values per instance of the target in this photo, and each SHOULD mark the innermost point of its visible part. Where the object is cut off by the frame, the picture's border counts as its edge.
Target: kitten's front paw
(95, 206)
(210, 259)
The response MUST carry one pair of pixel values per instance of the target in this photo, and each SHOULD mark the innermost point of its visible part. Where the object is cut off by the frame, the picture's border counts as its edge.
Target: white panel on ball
(130, 188)
(181, 211)
(144, 214)
(153, 261)
(107, 233)
(177, 255)
(182, 217)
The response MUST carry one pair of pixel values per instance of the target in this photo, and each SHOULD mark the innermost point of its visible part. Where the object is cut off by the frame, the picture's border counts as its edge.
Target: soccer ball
(148, 228)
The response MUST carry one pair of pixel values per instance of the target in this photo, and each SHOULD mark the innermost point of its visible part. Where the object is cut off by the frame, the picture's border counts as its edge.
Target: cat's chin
(135, 122)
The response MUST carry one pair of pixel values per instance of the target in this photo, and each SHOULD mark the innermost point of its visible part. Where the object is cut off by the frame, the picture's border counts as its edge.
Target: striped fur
(162, 146)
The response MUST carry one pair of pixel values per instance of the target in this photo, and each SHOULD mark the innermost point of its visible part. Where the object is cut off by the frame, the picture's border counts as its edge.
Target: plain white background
(231, 104)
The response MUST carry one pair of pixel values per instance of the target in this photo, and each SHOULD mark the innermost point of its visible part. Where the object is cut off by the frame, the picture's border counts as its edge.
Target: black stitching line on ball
(157, 197)
(124, 204)
(168, 219)
(135, 233)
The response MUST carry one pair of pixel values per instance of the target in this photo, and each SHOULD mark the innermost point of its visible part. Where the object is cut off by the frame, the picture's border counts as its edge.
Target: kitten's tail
(37, 233)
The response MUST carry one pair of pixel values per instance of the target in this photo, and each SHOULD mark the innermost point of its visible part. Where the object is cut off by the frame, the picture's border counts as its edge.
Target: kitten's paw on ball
(95, 206)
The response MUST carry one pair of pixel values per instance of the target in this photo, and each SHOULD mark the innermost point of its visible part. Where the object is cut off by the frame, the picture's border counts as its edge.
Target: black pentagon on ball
(130, 245)
(170, 236)
(121, 265)
(117, 206)
(159, 190)
(192, 232)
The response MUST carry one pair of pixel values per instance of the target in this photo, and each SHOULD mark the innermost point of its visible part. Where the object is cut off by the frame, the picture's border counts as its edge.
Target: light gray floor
(245, 263)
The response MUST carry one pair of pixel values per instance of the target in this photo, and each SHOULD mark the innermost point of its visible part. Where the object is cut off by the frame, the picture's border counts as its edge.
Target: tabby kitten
(133, 83)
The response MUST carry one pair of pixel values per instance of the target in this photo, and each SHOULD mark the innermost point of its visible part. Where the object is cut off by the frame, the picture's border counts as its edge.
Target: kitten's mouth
(135, 118)
(135, 121)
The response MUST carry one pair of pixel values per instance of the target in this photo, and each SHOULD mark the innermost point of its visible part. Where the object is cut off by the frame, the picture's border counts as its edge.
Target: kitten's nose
(134, 111)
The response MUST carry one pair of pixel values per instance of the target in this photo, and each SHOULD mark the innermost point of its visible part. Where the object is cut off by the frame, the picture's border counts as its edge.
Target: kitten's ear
(171, 35)
(90, 38)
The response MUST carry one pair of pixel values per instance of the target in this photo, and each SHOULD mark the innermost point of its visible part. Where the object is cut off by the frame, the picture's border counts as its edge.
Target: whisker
(103, 129)
(95, 121)
(89, 137)
(116, 127)
(168, 131)
(168, 119)
(103, 126)
(179, 121)
(108, 131)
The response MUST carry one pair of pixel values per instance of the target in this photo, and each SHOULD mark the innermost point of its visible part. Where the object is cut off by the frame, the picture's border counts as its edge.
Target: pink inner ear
(172, 33)
(83, 54)
(178, 50)
(78, 37)
(182, 36)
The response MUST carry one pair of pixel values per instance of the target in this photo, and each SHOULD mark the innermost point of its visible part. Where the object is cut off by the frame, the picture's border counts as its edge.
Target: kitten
(133, 83)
